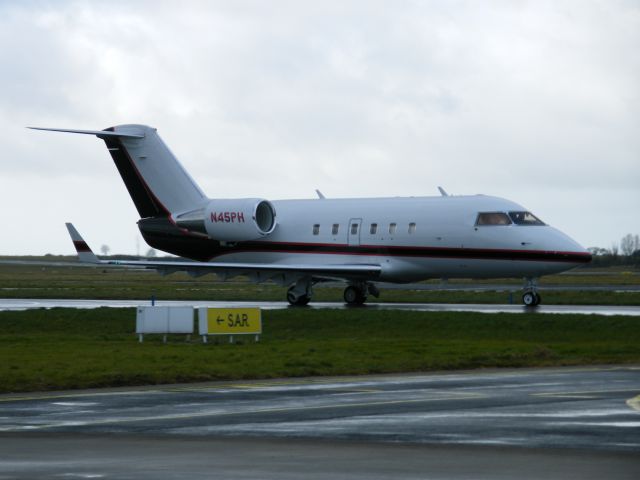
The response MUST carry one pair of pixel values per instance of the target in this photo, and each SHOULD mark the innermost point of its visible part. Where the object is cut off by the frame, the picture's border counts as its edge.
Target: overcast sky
(538, 102)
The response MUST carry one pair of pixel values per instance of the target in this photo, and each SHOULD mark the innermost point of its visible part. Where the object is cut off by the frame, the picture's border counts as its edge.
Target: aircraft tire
(297, 301)
(354, 295)
(531, 299)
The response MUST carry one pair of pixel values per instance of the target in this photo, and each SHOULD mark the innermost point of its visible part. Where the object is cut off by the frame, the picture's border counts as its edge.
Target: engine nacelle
(231, 220)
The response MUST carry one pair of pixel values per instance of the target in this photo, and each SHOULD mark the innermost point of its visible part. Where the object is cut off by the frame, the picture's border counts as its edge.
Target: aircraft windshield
(493, 218)
(525, 218)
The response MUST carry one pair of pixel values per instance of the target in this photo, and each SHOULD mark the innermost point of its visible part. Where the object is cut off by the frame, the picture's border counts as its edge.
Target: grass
(97, 283)
(67, 348)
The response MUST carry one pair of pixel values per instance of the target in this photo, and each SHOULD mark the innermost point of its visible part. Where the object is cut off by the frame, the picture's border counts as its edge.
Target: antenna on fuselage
(442, 192)
(320, 195)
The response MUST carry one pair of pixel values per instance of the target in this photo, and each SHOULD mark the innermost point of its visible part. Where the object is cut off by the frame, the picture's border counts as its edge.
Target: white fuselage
(355, 240)
(412, 238)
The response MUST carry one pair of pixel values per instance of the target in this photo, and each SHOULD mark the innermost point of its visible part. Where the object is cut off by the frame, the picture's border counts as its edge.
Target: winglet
(85, 255)
(320, 195)
(442, 192)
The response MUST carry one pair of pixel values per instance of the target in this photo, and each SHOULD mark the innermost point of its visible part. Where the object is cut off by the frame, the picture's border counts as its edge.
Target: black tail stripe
(81, 246)
(145, 201)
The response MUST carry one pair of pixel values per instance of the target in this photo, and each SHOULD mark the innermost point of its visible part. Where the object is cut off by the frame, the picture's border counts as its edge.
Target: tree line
(624, 252)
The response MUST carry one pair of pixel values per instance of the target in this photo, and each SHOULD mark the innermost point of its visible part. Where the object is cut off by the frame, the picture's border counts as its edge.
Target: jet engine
(232, 220)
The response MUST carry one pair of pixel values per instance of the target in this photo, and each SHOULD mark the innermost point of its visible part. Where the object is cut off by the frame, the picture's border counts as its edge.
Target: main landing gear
(356, 294)
(297, 300)
(531, 297)
(300, 293)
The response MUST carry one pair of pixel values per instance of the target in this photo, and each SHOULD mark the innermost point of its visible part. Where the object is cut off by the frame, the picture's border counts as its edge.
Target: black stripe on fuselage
(160, 233)
(145, 201)
(415, 252)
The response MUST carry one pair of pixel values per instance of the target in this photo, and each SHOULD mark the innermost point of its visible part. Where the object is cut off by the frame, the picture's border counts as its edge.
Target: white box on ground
(164, 320)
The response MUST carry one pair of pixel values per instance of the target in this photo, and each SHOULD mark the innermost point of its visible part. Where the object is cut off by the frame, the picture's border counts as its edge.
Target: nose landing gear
(531, 297)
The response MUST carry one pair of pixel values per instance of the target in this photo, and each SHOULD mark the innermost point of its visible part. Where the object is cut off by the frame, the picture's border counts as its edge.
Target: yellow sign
(231, 321)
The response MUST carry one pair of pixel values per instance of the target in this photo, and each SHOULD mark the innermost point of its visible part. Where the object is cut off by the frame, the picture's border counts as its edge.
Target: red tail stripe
(81, 246)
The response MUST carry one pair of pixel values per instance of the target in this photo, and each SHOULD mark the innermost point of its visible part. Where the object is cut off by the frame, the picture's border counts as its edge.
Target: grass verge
(96, 283)
(67, 348)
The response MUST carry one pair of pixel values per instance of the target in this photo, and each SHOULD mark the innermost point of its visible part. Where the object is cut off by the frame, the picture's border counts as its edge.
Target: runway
(156, 458)
(26, 304)
(529, 423)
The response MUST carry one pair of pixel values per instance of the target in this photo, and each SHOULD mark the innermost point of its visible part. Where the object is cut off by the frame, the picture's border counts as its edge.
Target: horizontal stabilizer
(99, 133)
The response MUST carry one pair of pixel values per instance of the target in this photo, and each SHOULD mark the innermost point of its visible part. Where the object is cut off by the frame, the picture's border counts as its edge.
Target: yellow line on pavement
(583, 394)
(634, 403)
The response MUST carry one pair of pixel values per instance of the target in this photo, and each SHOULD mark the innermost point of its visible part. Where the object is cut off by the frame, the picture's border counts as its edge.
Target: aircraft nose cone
(572, 250)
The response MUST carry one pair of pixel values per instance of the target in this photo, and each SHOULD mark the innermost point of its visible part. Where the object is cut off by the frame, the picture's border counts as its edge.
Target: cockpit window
(525, 218)
(493, 218)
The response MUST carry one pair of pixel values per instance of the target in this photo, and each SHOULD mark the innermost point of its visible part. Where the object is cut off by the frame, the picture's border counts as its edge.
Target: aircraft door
(355, 225)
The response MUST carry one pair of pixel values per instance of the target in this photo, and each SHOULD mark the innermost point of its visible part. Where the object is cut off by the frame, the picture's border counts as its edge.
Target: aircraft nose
(570, 249)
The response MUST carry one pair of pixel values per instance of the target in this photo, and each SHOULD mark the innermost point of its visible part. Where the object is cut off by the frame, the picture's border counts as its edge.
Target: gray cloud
(534, 101)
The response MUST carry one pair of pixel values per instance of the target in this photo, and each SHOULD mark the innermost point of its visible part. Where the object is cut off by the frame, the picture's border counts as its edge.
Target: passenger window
(412, 227)
(392, 228)
(493, 218)
(525, 218)
(354, 229)
(316, 229)
(373, 229)
(335, 228)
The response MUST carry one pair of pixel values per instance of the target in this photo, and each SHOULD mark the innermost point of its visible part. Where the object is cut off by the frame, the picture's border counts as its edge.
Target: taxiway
(529, 423)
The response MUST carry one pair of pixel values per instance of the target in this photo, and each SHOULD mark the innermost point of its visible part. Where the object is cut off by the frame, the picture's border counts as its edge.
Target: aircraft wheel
(538, 299)
(530, 299)
(354, 295)
(298, 301)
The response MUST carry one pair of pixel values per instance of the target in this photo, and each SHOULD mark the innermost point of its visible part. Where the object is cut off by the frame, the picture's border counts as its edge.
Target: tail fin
(85, 254)
(157, 183)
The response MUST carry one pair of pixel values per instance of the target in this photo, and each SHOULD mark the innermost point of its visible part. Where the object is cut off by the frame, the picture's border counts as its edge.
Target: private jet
(300, 243)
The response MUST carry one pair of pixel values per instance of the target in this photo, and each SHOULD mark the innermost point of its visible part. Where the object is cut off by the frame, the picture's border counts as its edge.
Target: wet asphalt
(27, 304)
(542, 423)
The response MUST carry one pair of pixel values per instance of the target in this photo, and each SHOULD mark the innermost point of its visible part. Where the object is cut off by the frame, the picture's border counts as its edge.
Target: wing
(282, 273)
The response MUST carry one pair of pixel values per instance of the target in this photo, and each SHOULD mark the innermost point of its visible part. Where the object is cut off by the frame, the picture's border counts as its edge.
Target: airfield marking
(588, 394)
(297, 382)
(634, 403)
(73, 395)
(178, 416)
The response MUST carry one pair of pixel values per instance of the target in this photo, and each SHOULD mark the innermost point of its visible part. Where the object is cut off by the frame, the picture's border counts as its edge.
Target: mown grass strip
(100, 283)
(67, 348)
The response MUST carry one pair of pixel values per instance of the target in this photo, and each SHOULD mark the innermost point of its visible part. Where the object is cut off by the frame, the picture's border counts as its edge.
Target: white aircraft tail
(85, 254)
(157, 182)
